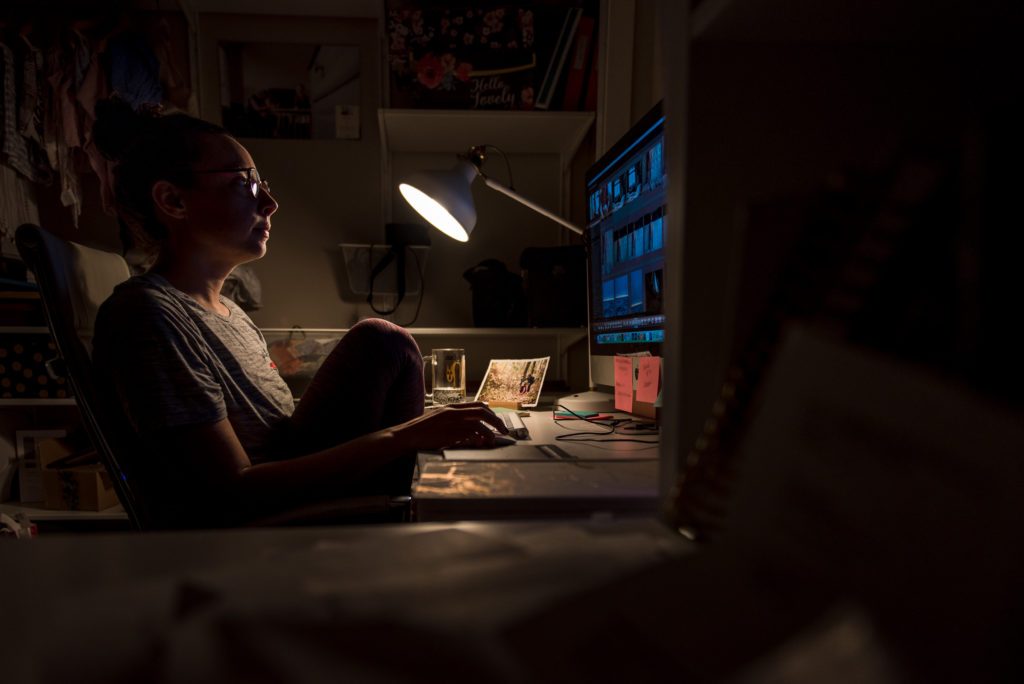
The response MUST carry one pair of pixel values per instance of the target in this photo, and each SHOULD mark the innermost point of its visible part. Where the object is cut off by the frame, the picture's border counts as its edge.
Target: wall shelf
(481, 344)
(38, 512)
(24, 330)
(12, 402)
(572, 333)
(455, 131)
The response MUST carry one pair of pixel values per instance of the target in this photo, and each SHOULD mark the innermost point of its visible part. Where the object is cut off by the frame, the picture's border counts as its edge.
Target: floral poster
(461, 58)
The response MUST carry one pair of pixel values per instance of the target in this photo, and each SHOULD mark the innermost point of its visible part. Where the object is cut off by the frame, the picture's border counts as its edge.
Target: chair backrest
(73, 281)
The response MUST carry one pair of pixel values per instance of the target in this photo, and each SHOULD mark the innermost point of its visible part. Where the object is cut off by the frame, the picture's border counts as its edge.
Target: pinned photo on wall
(514, 381)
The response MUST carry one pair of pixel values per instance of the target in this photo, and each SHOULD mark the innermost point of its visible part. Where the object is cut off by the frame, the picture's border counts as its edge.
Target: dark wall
(781, 134)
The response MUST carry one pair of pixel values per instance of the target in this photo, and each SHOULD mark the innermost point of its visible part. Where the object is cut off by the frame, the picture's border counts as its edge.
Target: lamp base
(598, 402)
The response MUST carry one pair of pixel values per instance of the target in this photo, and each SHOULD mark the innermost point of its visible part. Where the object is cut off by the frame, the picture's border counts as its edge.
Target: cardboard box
(8, 468)
(30, 469)
(74, 480)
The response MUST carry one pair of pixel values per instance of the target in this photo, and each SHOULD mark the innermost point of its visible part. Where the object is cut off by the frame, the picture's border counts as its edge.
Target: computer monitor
(626, 202)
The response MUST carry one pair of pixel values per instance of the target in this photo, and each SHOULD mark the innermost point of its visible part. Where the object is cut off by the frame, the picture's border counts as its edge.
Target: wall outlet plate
(360, 261)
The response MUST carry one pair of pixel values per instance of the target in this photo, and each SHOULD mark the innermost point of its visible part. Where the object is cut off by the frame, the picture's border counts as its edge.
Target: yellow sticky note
(647, 381)
(624, 383)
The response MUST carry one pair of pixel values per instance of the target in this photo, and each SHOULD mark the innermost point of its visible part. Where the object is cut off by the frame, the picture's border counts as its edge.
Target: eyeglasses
(252, 177)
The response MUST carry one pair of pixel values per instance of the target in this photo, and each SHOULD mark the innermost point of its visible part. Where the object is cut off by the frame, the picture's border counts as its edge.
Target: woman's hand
(456, 424)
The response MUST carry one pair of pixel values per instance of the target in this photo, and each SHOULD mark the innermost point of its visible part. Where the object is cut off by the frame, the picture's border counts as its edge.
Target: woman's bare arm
(212, 454)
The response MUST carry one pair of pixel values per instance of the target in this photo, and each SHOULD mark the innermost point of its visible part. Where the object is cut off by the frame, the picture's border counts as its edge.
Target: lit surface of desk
(384, 603)
(608, 476)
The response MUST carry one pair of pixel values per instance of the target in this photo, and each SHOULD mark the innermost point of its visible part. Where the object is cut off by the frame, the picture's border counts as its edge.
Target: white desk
(605, 476)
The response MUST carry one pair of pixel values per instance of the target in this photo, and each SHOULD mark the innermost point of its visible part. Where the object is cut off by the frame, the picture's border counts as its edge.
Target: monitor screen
(626, 235)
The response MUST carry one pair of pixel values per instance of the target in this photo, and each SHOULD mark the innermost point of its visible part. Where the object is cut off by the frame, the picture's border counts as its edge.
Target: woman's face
(224, 220)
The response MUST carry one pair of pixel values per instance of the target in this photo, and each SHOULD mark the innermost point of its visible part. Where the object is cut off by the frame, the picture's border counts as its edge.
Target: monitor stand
(598, 402)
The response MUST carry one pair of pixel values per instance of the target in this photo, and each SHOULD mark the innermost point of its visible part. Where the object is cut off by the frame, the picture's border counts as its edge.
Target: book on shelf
(590, 97)
(580, 60)
(559, 56)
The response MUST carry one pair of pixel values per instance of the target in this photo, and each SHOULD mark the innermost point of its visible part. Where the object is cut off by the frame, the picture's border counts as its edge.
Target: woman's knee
(376, 335)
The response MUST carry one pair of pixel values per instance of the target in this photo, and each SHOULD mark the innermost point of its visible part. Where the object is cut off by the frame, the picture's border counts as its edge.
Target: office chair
(73, 281)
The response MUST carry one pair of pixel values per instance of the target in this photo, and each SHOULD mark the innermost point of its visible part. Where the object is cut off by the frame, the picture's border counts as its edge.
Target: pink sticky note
(647, 382)
(624, 383)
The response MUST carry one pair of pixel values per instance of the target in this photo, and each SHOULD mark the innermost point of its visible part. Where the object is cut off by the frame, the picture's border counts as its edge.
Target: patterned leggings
(371, 380)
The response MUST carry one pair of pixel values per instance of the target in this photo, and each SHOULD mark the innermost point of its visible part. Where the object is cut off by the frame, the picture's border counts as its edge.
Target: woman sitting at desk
(192, 371)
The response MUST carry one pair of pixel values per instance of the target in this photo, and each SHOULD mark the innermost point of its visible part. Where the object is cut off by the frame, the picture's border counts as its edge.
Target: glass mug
(448, 376)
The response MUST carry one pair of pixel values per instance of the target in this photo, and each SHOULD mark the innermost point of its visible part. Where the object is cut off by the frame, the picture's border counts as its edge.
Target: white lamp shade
(444, 198)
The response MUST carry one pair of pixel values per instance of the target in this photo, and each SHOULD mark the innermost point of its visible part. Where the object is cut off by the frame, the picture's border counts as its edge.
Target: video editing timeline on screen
(626, 218)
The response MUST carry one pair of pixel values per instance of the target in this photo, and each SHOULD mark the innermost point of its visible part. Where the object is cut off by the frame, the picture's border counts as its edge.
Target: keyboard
(514, 422)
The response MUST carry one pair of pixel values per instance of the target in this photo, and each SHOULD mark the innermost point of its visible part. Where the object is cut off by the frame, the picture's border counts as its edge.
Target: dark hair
(147, 146)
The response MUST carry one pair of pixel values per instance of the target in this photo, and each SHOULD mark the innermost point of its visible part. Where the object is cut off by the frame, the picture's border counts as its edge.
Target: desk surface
(362, 603)
(590, 441)
(593, 440)
(607, 474)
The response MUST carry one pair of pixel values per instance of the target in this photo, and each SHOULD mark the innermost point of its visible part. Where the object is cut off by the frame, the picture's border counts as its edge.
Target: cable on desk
(611, 424)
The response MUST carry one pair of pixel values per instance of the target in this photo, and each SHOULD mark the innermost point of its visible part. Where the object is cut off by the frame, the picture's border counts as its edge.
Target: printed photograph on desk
(516, 381)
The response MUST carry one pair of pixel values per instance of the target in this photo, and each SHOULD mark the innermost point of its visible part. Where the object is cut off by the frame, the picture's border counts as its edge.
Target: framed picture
(290, 90)
(290, 78)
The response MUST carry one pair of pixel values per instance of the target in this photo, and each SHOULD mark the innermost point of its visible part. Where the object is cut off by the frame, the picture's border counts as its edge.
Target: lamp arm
(533, 205)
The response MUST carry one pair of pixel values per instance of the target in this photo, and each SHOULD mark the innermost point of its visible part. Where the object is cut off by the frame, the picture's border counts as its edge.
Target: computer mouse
(503, 440)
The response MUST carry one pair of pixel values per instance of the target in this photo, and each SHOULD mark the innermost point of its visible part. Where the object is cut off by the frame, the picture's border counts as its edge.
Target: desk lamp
(445, 200)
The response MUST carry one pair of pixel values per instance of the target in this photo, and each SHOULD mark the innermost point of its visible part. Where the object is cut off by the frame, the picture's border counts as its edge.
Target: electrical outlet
(361, 260)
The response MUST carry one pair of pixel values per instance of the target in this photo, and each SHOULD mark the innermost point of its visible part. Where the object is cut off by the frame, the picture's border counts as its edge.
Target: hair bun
(117, 125)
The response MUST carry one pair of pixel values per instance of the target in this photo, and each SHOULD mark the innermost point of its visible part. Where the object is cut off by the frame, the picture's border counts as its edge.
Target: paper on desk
(613, 451)
(511, 452)
(648, 378)
(624, 383)
(562, 451)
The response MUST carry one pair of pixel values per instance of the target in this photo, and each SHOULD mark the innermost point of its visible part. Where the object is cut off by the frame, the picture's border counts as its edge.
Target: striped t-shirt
(174, 363)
